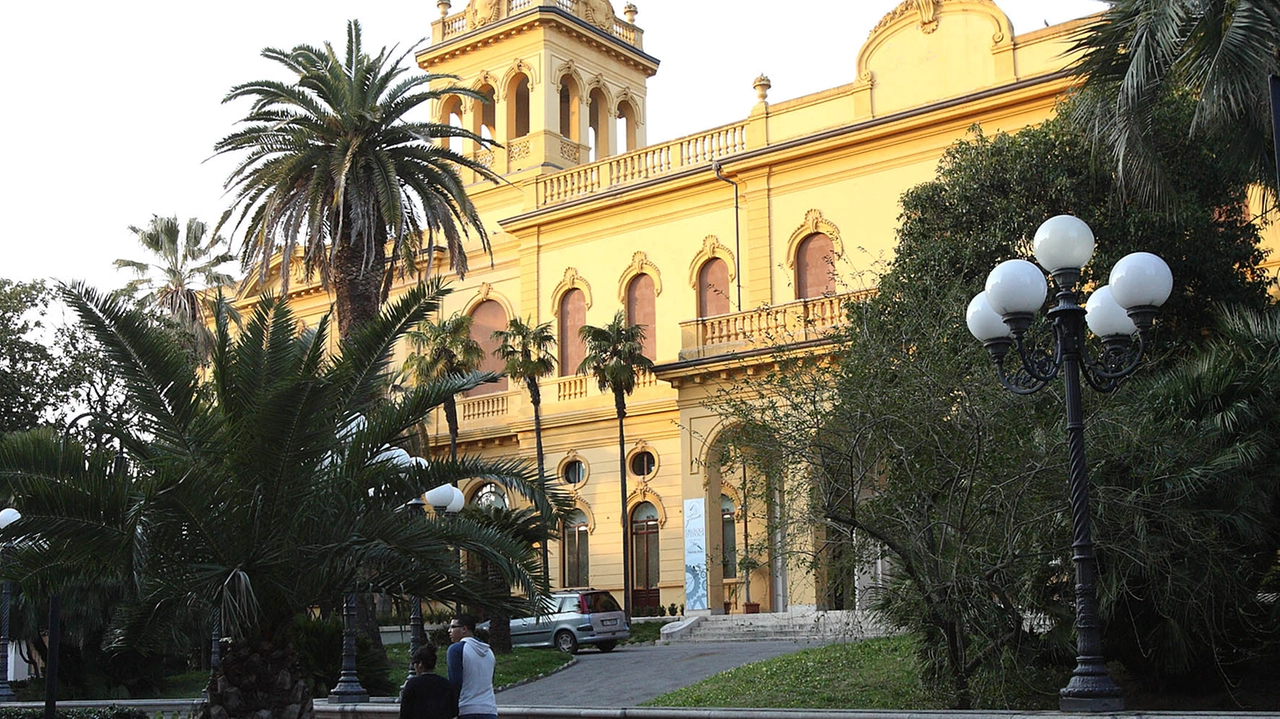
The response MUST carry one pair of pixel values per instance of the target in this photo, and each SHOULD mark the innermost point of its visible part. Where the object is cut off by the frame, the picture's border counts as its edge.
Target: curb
(572, 662)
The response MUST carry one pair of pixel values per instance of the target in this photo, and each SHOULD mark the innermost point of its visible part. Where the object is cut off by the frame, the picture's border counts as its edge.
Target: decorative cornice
(640, 265)
(813, 223)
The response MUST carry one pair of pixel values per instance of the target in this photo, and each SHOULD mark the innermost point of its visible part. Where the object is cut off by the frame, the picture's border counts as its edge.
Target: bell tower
(565, 80)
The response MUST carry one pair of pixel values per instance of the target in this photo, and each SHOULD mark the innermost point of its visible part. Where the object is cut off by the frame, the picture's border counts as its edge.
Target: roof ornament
(483, 12)
(928, 10)
(598, 13)
(762, 85)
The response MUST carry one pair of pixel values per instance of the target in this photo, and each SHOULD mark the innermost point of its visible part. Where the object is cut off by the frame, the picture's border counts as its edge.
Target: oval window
(643, 463)
(574, 471)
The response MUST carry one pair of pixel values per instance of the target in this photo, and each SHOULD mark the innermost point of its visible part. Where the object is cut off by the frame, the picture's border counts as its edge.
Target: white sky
(115, 112)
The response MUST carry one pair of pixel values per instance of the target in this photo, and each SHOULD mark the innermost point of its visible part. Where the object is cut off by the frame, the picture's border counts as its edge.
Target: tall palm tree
(527, 350)
(331, 163)
(187, 264)
(444, 349)
(525, 525)
(256, 490)
(1220, 51)
(615, 357)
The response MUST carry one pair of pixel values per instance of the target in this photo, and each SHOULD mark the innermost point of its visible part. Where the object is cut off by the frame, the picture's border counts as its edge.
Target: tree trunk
(357, 274)
(451, 419)
(499, 621)
(535, 398)
(258, 679)
(357, 283)
(620, 404)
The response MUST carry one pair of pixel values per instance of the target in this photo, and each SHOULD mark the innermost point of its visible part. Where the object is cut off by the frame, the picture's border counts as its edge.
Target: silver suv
(578, 616)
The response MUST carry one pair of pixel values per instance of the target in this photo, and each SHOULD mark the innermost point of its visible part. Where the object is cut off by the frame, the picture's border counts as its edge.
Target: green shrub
(109, 712)
(318, 643)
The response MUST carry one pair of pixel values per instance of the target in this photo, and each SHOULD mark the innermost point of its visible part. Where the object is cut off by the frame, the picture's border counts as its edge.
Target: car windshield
(601, 602)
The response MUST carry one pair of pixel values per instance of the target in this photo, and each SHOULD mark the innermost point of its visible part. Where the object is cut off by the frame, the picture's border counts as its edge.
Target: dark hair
(467, 621)
(426, 656)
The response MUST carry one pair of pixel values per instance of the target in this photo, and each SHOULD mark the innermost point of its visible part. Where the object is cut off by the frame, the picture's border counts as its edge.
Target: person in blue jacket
(471, 670)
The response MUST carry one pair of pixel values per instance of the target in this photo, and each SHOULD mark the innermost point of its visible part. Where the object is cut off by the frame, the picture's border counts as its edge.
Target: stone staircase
(812, 626)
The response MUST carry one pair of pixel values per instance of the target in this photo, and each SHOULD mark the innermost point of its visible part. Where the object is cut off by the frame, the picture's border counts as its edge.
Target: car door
(543, 629)
(522, 631)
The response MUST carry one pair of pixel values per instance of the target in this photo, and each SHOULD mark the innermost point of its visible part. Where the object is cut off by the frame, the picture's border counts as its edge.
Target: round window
(642, 464)
(574, 471)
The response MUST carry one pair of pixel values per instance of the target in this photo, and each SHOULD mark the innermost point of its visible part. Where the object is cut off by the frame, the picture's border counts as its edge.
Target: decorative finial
(444, 6)
(762, 86)
(630, 11)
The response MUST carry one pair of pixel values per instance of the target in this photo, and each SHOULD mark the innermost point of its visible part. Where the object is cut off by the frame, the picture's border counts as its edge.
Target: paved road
(632, 674)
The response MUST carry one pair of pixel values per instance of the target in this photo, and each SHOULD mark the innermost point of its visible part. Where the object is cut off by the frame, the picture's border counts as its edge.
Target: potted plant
(747, 565)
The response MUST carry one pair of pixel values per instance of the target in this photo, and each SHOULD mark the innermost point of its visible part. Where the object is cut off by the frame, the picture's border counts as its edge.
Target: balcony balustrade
(455, 25)
(777, 326)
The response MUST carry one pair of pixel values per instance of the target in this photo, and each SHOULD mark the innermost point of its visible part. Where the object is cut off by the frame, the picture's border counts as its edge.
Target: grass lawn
(646, 632)
(183, 686)
(874, 674)
(522, 663)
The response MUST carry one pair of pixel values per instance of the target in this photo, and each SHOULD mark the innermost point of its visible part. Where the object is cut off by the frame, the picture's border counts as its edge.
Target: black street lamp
(8, 516)
(447, 499)
(999, 318)
(415, 507)
(348, 689)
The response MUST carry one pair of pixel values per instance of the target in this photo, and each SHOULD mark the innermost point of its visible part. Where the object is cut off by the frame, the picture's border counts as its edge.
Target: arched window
(728, 537)
(640, 311)
(713, 288)
(487, 117)
(644, 556)
(577, 565)
(626, 128)
(452, 115)
(570, 102)
(490, 495)
(572, 316)
(600, 123)
(518, 107)
(815, 267)
(486, 318)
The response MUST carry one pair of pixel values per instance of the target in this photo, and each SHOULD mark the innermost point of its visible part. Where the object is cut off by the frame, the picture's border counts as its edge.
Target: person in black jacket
(427, 695)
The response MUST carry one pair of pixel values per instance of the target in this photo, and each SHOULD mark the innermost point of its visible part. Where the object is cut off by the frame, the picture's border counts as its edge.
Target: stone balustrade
(485, 406)
(799, 321)
(386, 708)
(457, 24)
(642, 164)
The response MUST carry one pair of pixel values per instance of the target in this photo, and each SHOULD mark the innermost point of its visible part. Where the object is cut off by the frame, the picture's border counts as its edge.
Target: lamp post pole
(446, 499)
(348, 689)
(1000, 318)
(7, 517)
(415, 506)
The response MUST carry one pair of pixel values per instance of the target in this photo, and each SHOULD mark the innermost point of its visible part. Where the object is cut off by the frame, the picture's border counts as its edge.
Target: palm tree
(444, 349)
(258, 489)
(615, 357)
(527, 351)
(187, 265)
(331, 164)
(1219, 51)
(525, 525)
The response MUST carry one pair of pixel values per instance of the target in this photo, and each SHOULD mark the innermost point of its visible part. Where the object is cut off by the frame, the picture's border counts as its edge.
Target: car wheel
(608, 646)
(566, 642)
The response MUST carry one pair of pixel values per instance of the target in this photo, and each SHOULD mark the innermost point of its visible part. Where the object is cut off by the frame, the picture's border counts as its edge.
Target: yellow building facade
(717, 242)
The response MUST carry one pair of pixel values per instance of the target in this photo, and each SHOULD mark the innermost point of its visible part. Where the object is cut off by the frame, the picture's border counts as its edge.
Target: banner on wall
(695, 554)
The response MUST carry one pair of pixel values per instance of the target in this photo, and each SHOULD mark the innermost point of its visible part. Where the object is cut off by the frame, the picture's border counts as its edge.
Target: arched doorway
(645, 596)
